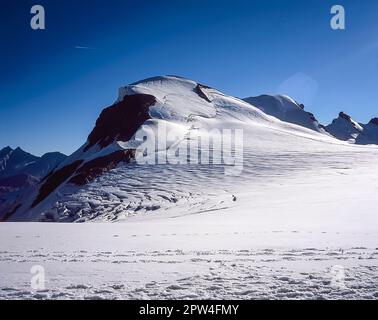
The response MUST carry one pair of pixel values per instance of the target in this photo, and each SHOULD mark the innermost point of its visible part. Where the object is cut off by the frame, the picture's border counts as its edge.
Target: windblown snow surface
(303, 226)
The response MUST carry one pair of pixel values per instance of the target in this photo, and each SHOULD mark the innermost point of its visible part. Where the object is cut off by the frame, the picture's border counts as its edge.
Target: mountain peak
(286, 109)
(18, 149)
(162, 79)
(345, 116)
(374, 121)
(344, 128)
(7, 149)
(55, 154)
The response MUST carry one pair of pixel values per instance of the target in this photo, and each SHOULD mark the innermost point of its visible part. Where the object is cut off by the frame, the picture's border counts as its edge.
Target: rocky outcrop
(55, 180)
(95, 168)
(199, 90)
(121, 120)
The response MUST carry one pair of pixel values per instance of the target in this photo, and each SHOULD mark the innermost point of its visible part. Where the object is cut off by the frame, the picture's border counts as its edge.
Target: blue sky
(52, 91)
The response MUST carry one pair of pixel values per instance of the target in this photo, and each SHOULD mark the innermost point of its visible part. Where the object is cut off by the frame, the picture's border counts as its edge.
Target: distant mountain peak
(374, 121)
(344, 128)
(17, 161)
(5, 151)
(54, 154)
(345, 116)
(286, 109)
(7, 148)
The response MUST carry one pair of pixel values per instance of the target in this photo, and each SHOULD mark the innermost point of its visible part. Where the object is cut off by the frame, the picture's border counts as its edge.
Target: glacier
(302, 210)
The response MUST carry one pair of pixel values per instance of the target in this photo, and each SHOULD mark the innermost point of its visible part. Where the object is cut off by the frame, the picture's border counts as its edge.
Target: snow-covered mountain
(344, 128)
(14, 161)
(44, 165)
(286, 109)
(186, 108)
(17, 161)
(20, 173)
(369, 134)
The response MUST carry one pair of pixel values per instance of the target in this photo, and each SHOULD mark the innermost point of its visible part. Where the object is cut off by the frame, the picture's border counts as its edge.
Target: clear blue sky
(51, 91)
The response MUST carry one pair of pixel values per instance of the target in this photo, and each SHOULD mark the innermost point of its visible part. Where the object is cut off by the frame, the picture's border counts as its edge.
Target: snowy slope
(344, 128)
(286, 109)
(102, 181)
(306, 229)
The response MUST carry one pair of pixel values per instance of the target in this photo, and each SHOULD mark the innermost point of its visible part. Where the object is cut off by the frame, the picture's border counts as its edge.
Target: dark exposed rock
(312, 116)
(55, 180)
(374, 121)
(200, 92)
(345, 116)
(95, 168)
(121, 120)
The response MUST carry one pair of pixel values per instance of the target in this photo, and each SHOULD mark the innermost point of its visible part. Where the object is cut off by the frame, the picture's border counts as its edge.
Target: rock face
(344, 128)
(118, 122)
(199, 90)
(95, 168)
(286, 109)
(54, 180)
(121, 120)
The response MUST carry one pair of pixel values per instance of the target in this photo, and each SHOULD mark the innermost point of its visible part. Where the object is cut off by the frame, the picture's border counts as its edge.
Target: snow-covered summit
(286, 109)
(344, 128)
(369, 134)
